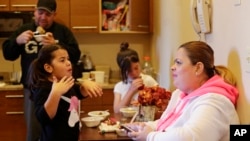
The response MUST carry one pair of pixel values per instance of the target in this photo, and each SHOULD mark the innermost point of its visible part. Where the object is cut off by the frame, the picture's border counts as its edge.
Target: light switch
(237, 2)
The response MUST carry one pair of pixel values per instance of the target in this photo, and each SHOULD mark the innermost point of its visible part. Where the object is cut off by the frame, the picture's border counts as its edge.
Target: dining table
(94, 133)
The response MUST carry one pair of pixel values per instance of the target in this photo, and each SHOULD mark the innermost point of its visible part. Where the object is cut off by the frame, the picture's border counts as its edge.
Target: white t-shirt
(122, 88)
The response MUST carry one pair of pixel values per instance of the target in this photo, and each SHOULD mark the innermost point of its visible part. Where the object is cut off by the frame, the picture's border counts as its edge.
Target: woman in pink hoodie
(203, 105)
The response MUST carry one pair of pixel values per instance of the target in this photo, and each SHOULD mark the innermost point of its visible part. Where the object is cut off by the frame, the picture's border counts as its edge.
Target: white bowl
(39, 38)
(128, 111)
(103, 114)
(121, 132)
(92, 121)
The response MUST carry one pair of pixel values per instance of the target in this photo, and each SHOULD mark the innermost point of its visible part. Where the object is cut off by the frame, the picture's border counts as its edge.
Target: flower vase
(146, 113)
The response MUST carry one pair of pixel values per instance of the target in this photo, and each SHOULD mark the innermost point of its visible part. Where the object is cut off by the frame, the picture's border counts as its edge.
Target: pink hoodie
(214, 85)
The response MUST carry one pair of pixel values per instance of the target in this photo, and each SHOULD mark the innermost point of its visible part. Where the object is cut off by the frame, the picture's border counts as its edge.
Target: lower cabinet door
(12, 122)
(12, 128)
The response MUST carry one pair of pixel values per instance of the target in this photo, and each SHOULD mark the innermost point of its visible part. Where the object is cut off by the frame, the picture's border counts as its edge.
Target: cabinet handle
(142, 26)
(14, 96)
(14, 113)
(23, 5)
(84, 27)
(3, 5)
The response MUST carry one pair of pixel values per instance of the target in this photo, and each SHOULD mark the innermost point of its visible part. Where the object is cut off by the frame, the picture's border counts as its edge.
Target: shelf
(123, 32)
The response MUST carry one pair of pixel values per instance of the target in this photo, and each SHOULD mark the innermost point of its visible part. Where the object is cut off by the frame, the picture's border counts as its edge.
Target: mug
(98, 76)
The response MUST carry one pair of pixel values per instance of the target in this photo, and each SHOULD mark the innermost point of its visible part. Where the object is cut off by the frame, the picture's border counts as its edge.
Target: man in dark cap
(48, 5)
(23, 43)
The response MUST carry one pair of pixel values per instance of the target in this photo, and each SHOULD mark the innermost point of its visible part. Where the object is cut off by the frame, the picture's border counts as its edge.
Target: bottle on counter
(147, 67)
(88, 64)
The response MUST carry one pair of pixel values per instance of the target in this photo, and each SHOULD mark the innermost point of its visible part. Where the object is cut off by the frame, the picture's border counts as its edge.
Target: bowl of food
(121, 132)
(103, 114)
(128, 111)
(92, 121)
(39, 37)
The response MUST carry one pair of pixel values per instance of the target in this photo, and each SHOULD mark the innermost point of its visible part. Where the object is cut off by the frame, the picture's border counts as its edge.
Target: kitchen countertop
(5, 87)
(20, 86)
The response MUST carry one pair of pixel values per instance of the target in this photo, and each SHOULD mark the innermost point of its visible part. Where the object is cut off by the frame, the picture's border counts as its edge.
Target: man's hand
(49, 39)
(24, 37)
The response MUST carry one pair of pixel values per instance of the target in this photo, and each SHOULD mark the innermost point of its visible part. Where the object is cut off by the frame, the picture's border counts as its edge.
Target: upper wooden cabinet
(141, 15)
(62, 12)
(62, 15)
(84, 15)
(17, 5)
(96, 16)
(22, 5)
(126, 16)
(4, 5)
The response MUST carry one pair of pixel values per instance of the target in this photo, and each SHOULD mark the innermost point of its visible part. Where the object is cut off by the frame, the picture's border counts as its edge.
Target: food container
(106, 70)
(39, 38)
(92, 121)
(121, 132)
(15, 77)
(128, 111)
(98, 76)
(102, 114)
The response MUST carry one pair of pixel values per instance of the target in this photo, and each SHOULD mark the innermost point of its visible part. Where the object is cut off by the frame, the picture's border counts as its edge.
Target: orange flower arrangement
(154, 96)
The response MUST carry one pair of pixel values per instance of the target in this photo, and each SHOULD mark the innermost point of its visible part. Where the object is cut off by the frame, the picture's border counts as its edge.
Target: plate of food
(109, 125)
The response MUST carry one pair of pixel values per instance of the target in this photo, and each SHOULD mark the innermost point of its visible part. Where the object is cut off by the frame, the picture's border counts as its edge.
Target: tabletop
(93, 134)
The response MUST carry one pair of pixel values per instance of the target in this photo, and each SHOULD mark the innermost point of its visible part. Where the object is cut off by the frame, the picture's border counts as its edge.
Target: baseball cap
(48, 5)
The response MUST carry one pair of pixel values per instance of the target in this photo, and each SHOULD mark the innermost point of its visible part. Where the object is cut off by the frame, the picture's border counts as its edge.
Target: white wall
(229, 39)
(103, 48)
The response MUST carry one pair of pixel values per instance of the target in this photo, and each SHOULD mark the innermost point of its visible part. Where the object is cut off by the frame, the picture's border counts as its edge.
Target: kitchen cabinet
(21, 5)
(84, 15)
(12, 121)
(62, 12)
(88, 16)
(62, 15)
(100, 103)
(133, 17)
(17, 5)
(141, 15)
(4, 5)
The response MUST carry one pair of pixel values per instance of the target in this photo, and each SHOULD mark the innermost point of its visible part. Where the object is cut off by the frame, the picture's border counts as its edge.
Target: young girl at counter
(56, 95)
(126, 91)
